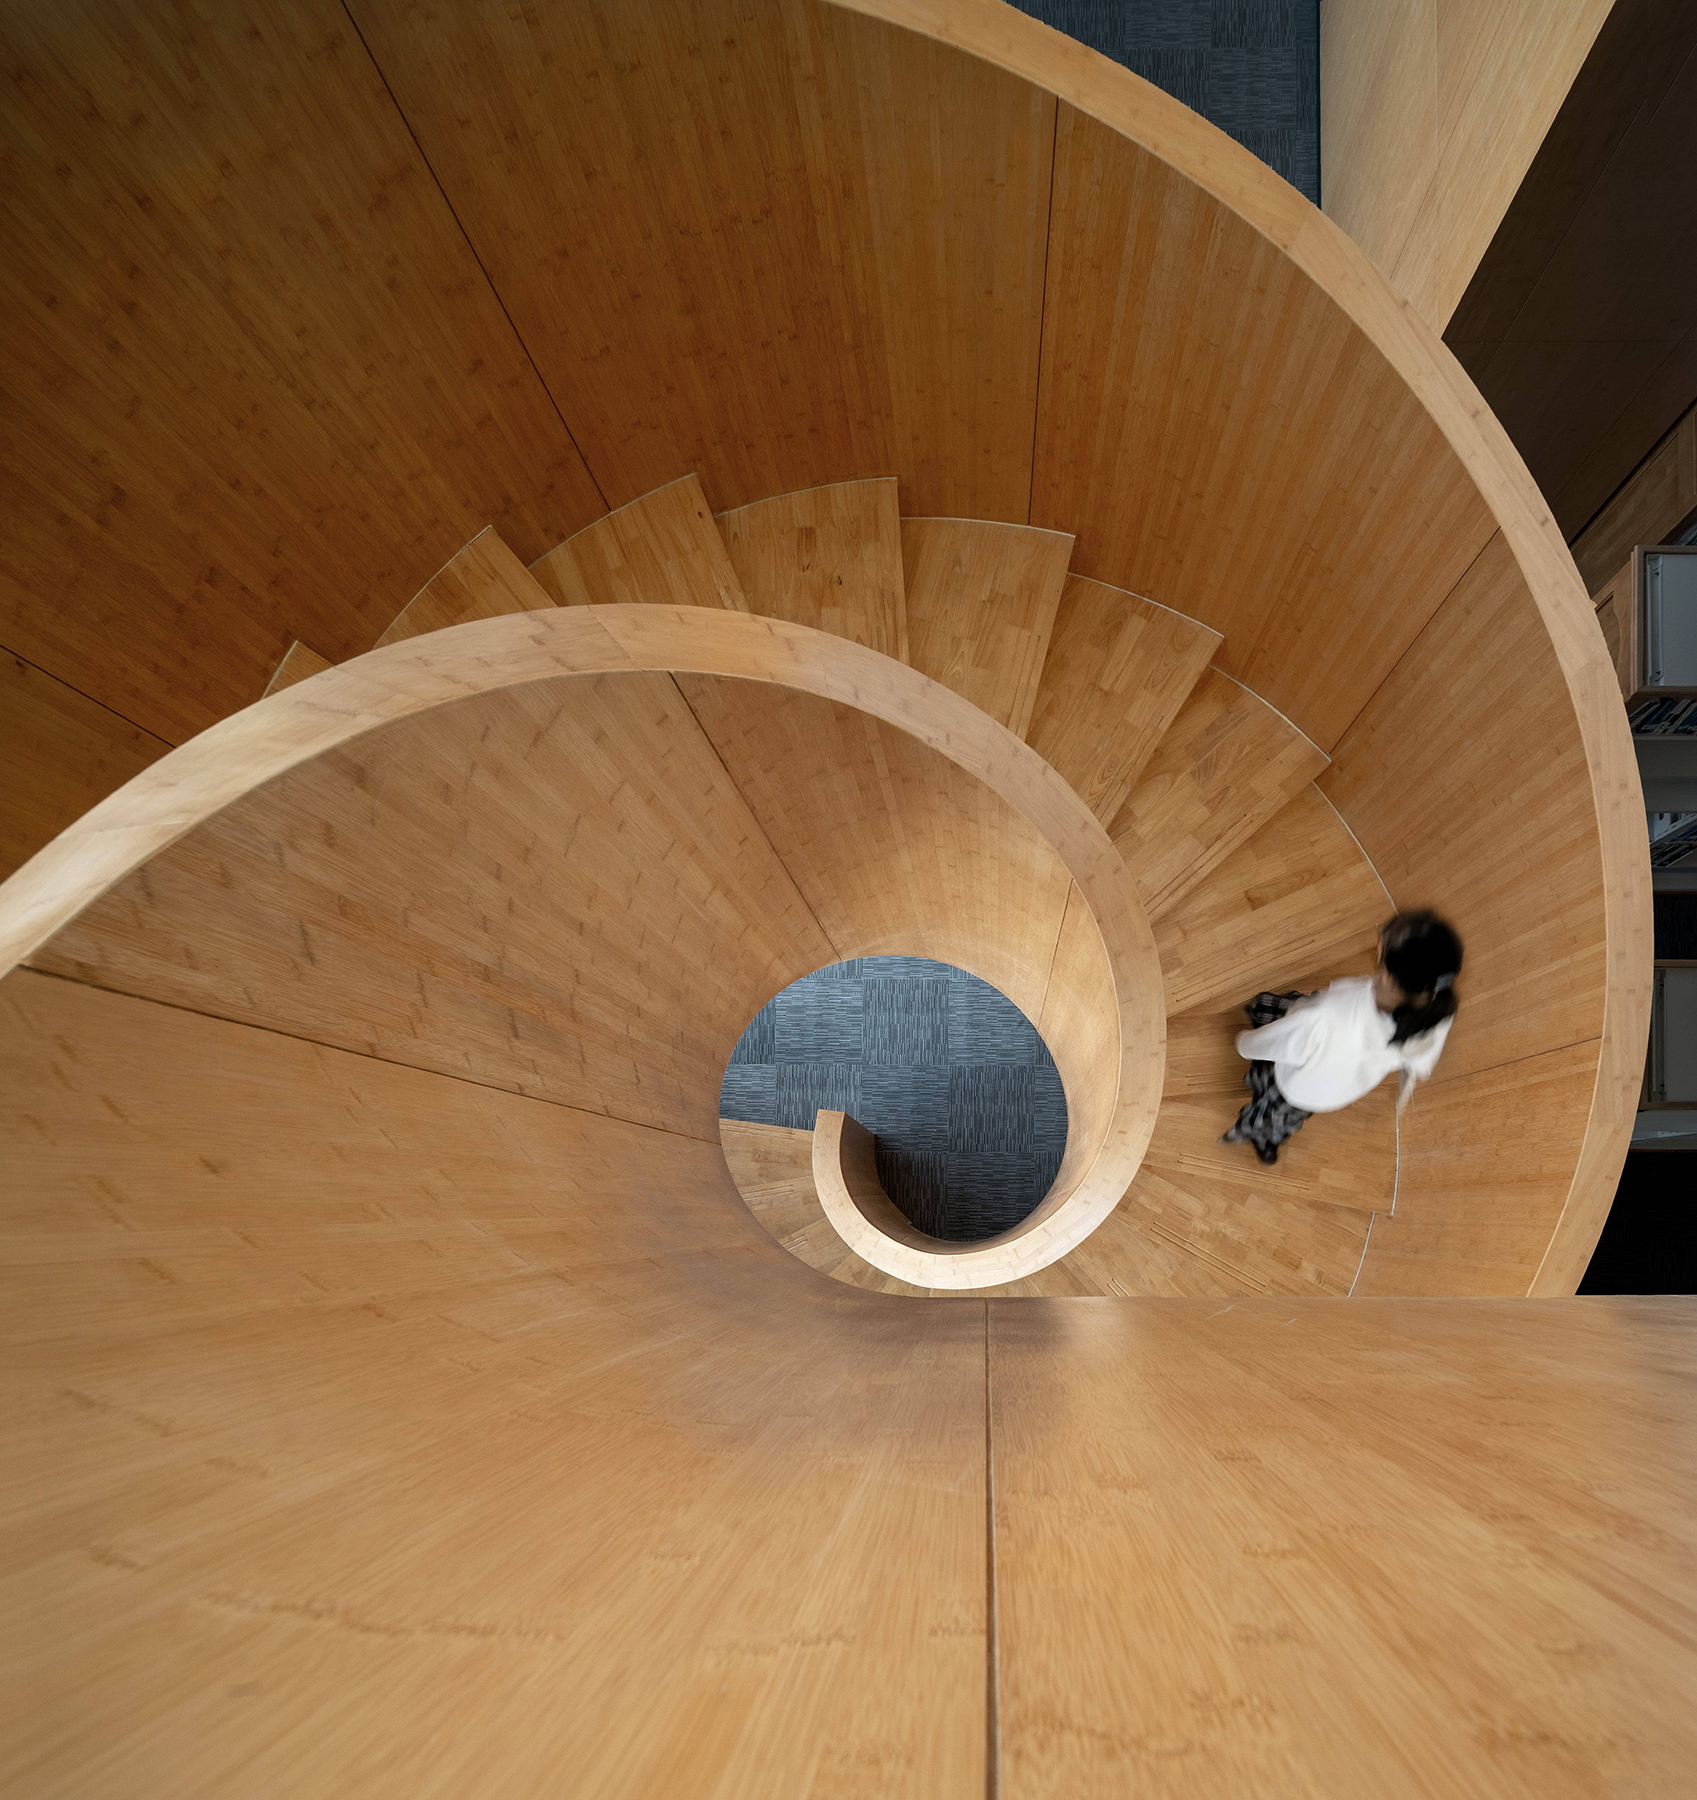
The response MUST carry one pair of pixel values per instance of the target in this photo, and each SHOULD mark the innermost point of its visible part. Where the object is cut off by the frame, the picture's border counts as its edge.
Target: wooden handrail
(1106, 971)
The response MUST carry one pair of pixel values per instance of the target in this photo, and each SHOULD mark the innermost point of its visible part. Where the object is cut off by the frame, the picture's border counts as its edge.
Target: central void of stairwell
(952, 1079)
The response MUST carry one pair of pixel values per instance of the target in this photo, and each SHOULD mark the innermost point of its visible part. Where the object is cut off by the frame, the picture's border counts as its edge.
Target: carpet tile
(946, 1073)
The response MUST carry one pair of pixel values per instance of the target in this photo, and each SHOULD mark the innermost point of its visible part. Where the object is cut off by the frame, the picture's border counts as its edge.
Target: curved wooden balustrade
(398, 785)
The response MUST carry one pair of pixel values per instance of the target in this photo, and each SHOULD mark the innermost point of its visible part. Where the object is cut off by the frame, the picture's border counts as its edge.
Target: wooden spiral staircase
(1243, 867)
(416, 1403)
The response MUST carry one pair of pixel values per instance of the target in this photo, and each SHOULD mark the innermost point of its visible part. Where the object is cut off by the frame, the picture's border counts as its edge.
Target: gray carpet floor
(946, 1072)
(1250, 66)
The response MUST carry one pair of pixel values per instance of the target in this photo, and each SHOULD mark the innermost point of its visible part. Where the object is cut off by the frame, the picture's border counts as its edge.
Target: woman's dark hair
(1423, 955)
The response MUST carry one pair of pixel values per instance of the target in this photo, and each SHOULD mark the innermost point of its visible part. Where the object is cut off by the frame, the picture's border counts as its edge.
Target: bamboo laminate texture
(772, 1167)
(1201, 1218)
(898, 851)
(60, 753)
(1545, 974)
(642, 883)
(758, 216)
(660, 550)
(1422, 1550)
(981, 602)
(1168, 396)
(259, 387)
(1299, 895)
(300, 663)
(482, 581)
(1432, 112)
(829, 557)
(374, 1428)
(1118, 669)
(1228, 764)
(477, 891)
(1380, 479)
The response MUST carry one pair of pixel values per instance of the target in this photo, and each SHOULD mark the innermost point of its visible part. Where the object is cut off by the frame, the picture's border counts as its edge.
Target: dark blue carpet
(947, 1074)
(1250, 66)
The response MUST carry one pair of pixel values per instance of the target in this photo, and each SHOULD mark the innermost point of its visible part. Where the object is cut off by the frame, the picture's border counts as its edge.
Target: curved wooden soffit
(305, 721)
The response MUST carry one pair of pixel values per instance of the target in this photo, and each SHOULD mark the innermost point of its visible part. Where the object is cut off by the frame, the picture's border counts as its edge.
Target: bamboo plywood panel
(827, 557)
(1500, 814)
(793, 240)
(1299, 895)
(1378, 138)
(981, 602)
(483, 581)
(661, 550)
(1117, 672)
(1466, 782)
(1287, 1547)
(60, 752)
(1193, 376)
(1488, 1159)
(1432, 112)
(260, 388)
(300, 663)
(554, 889)
(896, 850)
(1228, 765)
(360, 1407)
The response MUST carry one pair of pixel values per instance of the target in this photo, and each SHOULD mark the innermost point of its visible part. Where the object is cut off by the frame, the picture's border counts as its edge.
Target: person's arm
(1284, 1040)
(1419, 1060)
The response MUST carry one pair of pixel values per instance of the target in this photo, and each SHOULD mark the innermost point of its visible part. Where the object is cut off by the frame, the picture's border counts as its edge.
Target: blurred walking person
(1321, 1052)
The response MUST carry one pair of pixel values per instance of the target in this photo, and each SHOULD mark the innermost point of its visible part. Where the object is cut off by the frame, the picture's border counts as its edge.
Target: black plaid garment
(1269, 1118)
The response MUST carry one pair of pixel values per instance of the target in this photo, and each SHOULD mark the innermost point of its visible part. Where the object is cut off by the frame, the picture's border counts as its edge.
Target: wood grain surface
(299, 663)
(1261, 1547)
(1658, 499)
(1227, 764)
(475, 891)
(1548, 969)
(1118, 669)
(660, 550)
(829, 557)
(378, 1430)
(60, 753)
(481, 581)
(1298, 896)
(1431, 114)
(733, 237)
(1143, 452)
(981, 602)
(259, 386)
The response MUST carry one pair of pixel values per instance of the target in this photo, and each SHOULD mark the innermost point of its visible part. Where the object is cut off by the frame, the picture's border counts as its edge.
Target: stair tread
(1118, 670)
(828, 557)
(661, 549)
(483, 581)
(1227, 765)
(299, 662)
(981, 603)
(1296, 896)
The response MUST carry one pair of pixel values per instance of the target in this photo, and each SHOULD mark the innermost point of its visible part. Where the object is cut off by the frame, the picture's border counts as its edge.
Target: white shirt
(1329, 1051)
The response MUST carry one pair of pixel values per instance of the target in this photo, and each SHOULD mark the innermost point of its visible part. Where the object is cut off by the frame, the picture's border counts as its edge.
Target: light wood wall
(1430, 114)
